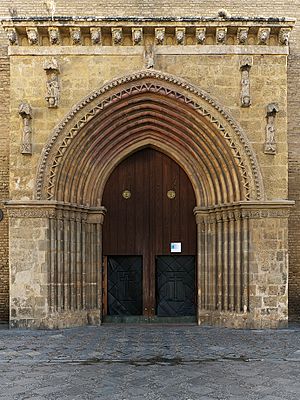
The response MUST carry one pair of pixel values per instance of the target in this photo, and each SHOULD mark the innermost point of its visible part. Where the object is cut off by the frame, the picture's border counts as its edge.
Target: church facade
(149, 165)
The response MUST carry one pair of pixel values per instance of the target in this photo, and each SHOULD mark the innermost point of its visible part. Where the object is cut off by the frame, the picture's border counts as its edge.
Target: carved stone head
(180, 35)
(25, 110)
(221, 36)
(200, 36)
(117, 36)
(137, 36)
(263, 36)
(33, 37)
(284, 37)
(243, 36)
(159, 36)
(12, 36)
(95, 35)
(76, 36)
(54, 36)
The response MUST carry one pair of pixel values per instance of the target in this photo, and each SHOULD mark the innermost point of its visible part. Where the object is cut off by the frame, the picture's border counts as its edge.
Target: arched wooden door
(149, 201)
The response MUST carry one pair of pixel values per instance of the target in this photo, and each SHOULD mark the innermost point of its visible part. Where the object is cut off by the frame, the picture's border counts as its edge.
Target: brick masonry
(168, 8)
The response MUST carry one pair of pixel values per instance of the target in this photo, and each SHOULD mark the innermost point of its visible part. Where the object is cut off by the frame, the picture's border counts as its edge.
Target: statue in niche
(270, 144)
(245, 81)
(25, 112)
(149, 57)
(53, 87)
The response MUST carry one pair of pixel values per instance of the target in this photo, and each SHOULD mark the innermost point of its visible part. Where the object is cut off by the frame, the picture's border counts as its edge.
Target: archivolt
(148, 108)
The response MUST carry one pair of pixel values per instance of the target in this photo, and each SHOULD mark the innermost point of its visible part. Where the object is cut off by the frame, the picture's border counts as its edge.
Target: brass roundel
(171, 194)
(126, 194)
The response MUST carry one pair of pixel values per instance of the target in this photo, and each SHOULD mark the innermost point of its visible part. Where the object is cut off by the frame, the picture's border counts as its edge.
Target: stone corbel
(137, 36)
(221, 35)
(200, 35)
(25, 112)
(284, 36)
(54, 35)
(242, 35)
(245, 66)
(32, 36)
(53, 86)
(180, 36)
(117, 36)
(270, 143)
(263, 35)
(160, 36)
(75, 36)
(12, 36)
(96, 36)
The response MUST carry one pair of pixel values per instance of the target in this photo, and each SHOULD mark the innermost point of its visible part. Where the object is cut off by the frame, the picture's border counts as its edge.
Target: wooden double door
(149, 239)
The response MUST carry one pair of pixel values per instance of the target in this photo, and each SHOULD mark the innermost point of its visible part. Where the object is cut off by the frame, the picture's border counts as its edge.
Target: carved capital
(160, 36)
(96, 36)
(32, 36)
(54, 36)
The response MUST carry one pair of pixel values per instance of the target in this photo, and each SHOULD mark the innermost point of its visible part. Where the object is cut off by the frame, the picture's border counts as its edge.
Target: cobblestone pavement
(128, 362)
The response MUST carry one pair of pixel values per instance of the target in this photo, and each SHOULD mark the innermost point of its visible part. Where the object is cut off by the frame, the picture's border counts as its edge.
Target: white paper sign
(176, 247)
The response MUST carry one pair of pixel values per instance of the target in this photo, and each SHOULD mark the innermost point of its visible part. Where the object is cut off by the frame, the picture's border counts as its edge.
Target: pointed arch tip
(148, 81)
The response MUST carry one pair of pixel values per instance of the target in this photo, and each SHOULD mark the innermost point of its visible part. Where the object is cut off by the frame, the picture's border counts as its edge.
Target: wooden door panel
(148, 221)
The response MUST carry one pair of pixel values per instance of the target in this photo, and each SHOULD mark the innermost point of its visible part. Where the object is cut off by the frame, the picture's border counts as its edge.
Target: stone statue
(149, 58)
(180, 36)
(25, 112)
(221, 36)
(117, 36)
(12, 36)
(242, 35)
(95, 35)
(200, 35)
(284, 36)
(160, 36)
(270, 143)
(53, 87)
(54, 36)
(137, 36)
(245, 66)
(263, 35)
(33, 36)
(75, 36)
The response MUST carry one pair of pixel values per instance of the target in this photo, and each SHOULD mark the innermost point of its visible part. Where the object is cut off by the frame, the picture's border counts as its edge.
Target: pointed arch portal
(89, 155)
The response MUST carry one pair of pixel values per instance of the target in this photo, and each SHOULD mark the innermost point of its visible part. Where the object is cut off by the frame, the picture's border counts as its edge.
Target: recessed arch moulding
(153, 109)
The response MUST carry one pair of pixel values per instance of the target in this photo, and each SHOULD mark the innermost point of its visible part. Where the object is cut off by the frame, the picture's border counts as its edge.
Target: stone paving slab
(150, 362)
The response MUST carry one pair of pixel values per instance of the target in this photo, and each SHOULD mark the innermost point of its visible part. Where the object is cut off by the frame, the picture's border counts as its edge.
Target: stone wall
(4, 181)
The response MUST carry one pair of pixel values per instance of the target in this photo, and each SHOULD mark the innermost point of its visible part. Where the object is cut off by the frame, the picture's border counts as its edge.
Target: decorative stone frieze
(221, 34)
(284, 36)
(160, 36)
(180, 36)
(245, 65)
(137, 36)
(32, 36)
(200, 35)
(242, 35)
(270, 142)
(96, 37)
(245, 31)
(263, 35)
(75, 36)
(54, 35)
(53, 86)
(12, 36)
(25, 112)
(117, 36)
